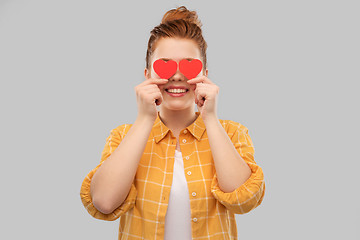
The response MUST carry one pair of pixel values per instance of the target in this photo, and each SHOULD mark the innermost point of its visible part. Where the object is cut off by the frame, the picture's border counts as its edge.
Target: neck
(176, 120)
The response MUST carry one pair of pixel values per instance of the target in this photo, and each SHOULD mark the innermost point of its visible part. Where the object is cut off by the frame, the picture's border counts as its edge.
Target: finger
(199, 103)
(153, 91)
(151, 87)
(200, 100)
(203, 79)
(148, 89)
(157, 97)
(157, 81)
(199, 96)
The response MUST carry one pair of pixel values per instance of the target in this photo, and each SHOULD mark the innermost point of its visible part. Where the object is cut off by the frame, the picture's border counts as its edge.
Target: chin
(178, 106)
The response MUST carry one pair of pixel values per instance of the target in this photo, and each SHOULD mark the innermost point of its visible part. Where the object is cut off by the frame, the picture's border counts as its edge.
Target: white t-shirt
(178, 214)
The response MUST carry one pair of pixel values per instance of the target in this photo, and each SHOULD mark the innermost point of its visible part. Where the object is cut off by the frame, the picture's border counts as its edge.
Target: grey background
(287, 70)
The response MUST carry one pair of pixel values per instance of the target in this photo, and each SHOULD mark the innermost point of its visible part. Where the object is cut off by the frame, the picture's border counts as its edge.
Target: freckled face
(176, 49)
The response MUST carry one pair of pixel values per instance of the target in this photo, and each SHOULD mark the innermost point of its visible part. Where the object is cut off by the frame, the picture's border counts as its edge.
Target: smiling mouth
(176, 90)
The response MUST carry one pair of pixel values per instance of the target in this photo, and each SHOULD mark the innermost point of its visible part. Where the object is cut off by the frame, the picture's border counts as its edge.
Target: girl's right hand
(148, 95)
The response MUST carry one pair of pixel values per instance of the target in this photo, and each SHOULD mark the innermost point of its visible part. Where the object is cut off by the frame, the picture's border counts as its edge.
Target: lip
(178, 87)
(176, 94)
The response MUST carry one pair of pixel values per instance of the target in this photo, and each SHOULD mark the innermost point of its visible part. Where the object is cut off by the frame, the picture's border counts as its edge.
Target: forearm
(112, 181)
(232, 171)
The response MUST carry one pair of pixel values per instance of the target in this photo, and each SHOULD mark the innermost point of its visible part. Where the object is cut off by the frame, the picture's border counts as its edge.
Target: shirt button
(184, 140)
(195, 219)
(185, 131)
(187, 157)
(189, 172)
(194, 194)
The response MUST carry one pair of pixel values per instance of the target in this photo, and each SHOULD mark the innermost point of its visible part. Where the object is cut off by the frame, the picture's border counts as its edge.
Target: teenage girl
(176, 173)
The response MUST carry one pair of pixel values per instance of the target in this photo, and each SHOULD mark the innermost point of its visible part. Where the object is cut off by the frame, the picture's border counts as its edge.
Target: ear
(146, 73)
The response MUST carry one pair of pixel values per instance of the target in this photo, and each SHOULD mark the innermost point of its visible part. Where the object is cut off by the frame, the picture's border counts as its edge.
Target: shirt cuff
(246, 197)
(85, 196)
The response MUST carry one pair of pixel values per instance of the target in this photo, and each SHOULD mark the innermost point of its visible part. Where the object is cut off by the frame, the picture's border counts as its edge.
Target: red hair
(181, 23)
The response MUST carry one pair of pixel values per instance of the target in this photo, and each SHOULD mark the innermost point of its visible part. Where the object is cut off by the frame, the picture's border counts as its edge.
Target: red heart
(165, 69)
(190, 69)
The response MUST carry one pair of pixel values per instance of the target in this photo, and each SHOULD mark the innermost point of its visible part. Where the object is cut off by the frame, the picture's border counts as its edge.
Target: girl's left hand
(206, 93)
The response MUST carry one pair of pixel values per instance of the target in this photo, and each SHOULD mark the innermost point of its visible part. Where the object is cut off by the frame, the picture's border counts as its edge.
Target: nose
(178, 76)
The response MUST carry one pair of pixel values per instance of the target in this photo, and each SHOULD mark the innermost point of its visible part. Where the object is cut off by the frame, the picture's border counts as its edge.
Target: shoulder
(121, 130)
(231, 126)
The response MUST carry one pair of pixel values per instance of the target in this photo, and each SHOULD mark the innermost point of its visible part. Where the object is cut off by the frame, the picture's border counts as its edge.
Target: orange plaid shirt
(142, 214)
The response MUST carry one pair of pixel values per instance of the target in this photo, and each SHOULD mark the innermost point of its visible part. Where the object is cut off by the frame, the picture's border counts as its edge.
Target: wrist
(211, 119)
(144, 120)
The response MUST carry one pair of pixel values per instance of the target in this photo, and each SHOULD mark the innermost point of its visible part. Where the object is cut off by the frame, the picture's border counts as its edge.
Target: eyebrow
(167, 59)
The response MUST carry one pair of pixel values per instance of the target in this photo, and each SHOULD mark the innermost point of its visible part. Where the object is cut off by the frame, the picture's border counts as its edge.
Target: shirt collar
(160, 130)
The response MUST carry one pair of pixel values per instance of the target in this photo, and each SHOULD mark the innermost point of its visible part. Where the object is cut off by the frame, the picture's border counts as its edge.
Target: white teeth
(174, 90)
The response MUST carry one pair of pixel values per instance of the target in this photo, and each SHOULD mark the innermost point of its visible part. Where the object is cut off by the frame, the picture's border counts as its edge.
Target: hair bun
(181, 13)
